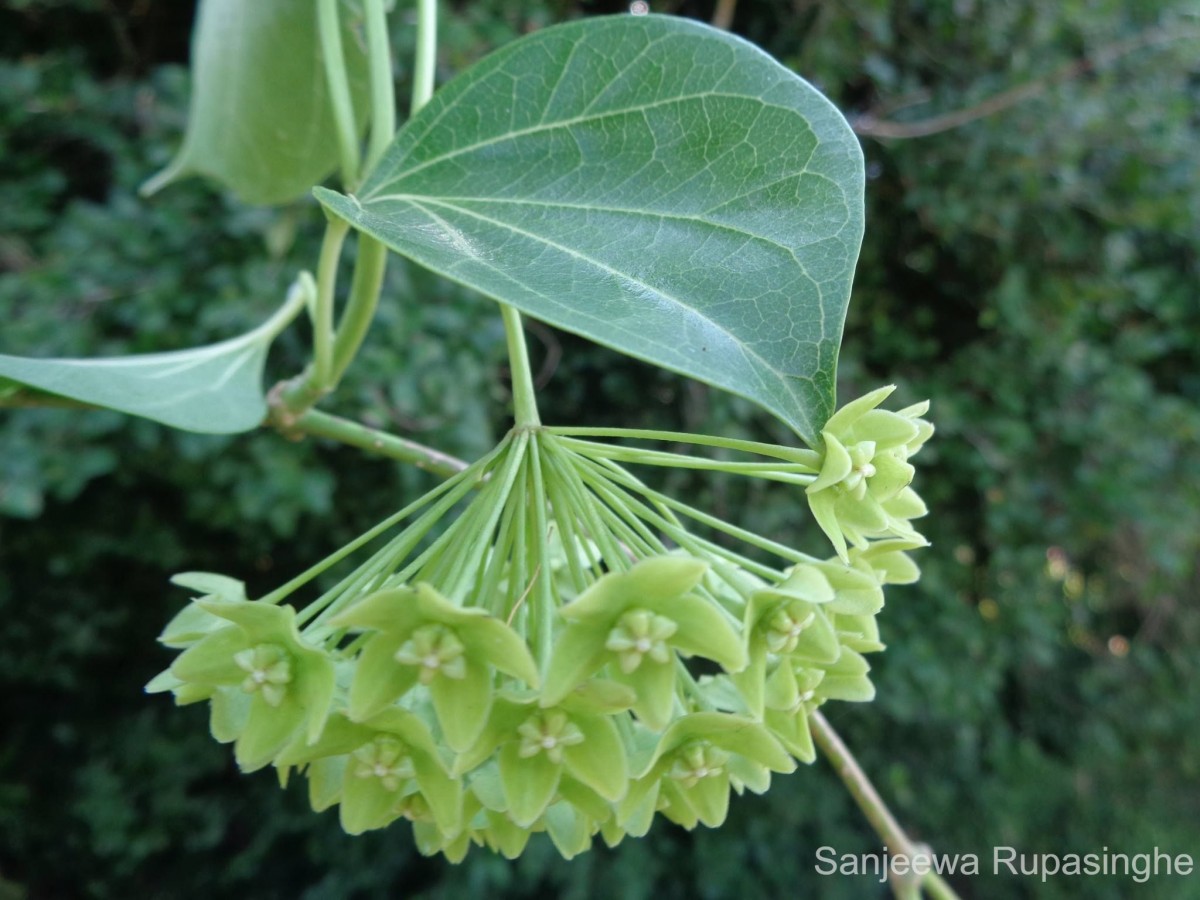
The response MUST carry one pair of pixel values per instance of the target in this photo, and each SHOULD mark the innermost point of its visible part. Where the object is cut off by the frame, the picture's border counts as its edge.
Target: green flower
(693, 767)
(385, 758)
(887, 562)
(858, 633)
(268, 669)
(847, 679)
(637, 620)
(434, 650)
(792, 618)
(571, 822)
(423, 638)
(640, 633)
(380, 770)
(862, 489)
(795, 688)
(570, 828)
(547, 752)
(430, 842)
(183, 692)
(791, 696)
(267, 684)
(549, 732)
(194, 622)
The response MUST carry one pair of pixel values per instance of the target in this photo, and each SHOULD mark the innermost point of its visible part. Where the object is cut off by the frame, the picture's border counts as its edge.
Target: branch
(723, 15)
(314, 423)
(876, 810)
(868, 125)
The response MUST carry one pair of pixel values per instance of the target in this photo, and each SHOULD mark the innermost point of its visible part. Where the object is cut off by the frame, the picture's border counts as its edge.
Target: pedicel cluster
(549, 645)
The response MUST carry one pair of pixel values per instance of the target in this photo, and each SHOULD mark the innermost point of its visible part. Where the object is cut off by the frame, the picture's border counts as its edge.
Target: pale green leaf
(214, 390)
(648, 182)
(260, 121)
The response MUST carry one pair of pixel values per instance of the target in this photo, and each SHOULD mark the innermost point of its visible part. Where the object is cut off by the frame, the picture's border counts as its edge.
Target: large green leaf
(215, 389)
(651, 183)
(260, 121)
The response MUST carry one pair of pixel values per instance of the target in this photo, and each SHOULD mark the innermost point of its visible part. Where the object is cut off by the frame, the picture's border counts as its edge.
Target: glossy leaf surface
(651, 183)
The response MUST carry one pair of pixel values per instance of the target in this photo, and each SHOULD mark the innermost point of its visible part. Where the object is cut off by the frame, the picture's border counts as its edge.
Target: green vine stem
(365, 288)
(426, 56)
(383, 96)
(334, 351)
(323, 425)
(330, 30)
(323, 337)
(876, 811)
(371, 263)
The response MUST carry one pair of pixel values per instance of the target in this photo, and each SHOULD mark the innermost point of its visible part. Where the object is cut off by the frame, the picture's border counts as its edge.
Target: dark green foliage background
(1033, 272)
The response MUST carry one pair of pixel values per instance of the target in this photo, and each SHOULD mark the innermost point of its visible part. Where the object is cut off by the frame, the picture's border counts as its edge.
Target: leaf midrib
(416, 199)
(746, 350)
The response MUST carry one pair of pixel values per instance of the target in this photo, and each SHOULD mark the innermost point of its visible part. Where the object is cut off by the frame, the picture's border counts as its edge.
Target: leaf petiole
(426, 58)
(525, 411)
(323, 336)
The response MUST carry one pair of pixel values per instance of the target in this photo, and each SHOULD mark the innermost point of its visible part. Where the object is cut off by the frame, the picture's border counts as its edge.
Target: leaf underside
(216, 389)
(260, 121)
(655, 185)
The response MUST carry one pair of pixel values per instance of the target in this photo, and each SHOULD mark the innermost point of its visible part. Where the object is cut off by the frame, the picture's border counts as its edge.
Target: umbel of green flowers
(546, 644)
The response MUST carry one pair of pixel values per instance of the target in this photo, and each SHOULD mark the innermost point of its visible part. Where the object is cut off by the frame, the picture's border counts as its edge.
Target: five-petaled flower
(862, 490)
(268, 683)
(636, 620)
(421, 637)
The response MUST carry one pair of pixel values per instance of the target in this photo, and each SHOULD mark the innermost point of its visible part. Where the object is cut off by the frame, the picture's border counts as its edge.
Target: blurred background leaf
(260, 118)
